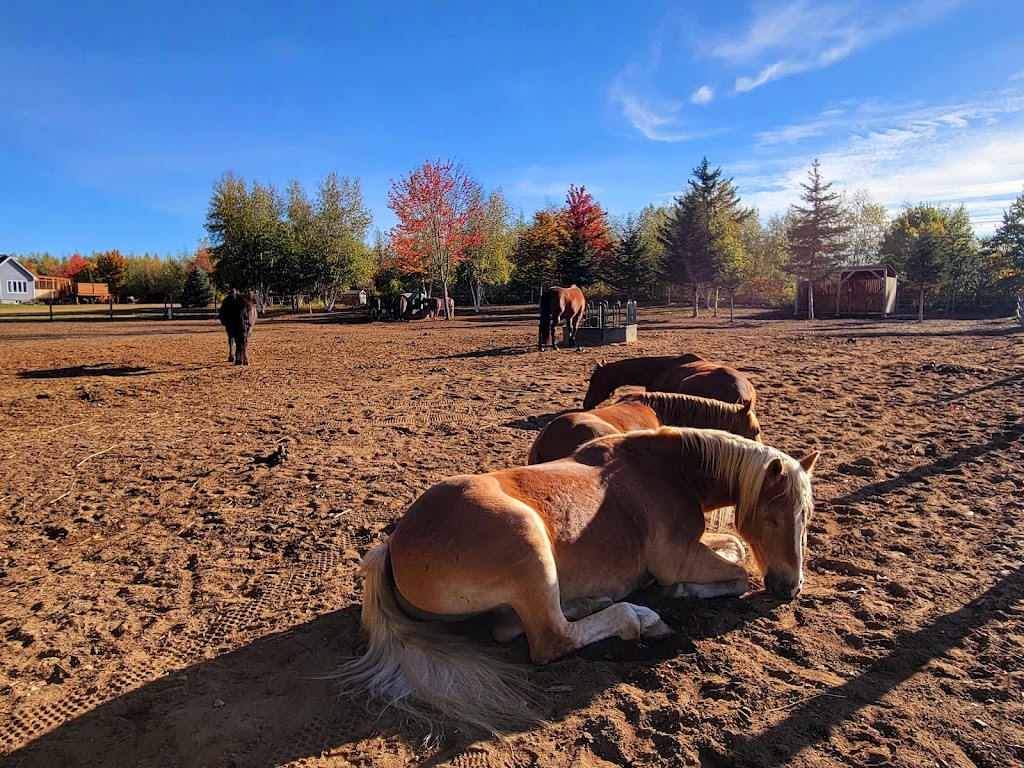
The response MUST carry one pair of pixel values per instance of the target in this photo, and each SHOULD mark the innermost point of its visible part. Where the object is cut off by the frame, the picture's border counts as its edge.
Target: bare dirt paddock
(169, 593)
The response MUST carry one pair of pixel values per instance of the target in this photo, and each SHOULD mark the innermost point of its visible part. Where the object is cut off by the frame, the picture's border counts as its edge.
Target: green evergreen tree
(818, 234)
(197, 291)
(1009, 239)
(699, 227)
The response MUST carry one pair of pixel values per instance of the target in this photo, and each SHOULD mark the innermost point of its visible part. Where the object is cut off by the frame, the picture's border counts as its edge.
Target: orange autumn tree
(436, 206)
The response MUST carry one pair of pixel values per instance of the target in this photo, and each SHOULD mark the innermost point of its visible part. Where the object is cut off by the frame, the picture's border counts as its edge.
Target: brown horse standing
(552, 550)
(649, 410)
(238, 316)
(435, 307)
(687, 374)
(560, 304)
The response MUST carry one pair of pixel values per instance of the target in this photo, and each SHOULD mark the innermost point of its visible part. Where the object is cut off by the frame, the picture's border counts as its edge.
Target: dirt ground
(170, 592)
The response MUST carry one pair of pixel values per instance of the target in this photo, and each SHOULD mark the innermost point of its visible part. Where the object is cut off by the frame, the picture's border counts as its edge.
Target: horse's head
(776, 527)
(598, 390)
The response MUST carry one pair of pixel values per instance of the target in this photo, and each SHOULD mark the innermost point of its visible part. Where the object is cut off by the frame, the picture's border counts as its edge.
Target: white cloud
(784, 40)
(658, 122)
(967, 153)
(702, 95)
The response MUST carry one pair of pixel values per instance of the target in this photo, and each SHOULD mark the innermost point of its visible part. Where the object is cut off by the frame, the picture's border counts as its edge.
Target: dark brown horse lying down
(551, 550)
(650, 410)
(686, 374)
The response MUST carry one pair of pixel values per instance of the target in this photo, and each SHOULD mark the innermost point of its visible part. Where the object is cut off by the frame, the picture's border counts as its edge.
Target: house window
(17, 286)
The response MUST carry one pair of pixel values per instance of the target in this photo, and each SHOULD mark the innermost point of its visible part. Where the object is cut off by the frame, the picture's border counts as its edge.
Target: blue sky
(116, 118)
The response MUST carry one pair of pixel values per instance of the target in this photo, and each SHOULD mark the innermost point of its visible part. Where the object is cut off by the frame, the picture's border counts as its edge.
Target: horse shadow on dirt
(82, 371)
(267, 703)
(536, 422)
(812, 721)
(491, 352)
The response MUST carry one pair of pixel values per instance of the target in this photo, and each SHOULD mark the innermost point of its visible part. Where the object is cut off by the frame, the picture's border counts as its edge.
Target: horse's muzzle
(782, 585)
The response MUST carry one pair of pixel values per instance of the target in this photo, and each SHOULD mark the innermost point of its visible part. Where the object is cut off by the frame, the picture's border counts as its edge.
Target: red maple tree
(436, 206)
(587, 220)
(75, 265)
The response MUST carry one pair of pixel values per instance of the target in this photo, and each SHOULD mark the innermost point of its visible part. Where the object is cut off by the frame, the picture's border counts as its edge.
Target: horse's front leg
(707, 569)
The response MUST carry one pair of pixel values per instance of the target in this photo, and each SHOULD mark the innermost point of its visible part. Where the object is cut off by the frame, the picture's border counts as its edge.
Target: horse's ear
(746, 406)
(601, 363)
(808, 461)
(775, 470)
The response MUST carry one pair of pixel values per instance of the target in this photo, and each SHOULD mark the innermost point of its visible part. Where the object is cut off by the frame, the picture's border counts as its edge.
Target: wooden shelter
(862, 290)
(867, 289)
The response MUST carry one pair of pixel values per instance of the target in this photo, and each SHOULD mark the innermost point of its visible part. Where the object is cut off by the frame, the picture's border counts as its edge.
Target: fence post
(110, 303)
(51, 309)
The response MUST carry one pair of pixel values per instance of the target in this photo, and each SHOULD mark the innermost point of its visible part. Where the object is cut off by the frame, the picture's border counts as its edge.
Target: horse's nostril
(781, 586)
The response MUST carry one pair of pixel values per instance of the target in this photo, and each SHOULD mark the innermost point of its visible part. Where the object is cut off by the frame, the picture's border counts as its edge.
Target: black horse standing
(238, 316)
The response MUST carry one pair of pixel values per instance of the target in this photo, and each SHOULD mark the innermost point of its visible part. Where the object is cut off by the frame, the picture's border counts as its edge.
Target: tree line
(451, 235)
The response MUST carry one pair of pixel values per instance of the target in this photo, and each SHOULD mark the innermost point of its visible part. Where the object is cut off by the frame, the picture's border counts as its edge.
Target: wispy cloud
(659, 121)
(702, 95)
(967, 152)
(801, 36)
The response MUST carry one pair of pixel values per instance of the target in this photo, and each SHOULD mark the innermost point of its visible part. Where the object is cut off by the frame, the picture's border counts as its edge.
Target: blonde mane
(675, 409)
(743, 463)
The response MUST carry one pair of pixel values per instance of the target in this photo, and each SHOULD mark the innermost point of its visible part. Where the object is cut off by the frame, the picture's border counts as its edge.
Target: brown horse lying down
(687, 374)
(650, 410)
(551, 551)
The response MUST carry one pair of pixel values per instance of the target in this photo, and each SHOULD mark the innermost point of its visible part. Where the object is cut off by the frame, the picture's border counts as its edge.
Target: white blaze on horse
(551, 550)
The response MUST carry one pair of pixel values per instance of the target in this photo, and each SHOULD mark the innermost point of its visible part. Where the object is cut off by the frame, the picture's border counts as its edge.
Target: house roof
(24, 270)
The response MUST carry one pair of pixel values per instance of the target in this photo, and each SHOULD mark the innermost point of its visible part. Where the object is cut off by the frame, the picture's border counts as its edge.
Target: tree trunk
(444, 296)
(796, 300)
(716, 301)
(810, 300)
(732, 309)
(696, 300)
(920, 307)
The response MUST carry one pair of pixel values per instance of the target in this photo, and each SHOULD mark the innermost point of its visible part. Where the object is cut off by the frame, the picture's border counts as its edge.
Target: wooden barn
(864, 290)
(353, 298)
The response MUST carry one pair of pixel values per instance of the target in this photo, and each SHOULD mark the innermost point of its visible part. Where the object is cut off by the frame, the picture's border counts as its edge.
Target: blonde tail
(425, 672)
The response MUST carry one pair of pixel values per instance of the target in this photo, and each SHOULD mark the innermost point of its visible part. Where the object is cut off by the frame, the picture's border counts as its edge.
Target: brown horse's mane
(675, 409)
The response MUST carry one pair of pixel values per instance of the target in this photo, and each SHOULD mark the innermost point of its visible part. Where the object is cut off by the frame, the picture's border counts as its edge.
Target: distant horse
(435, 307)
(238, 316)
(376, 307)
(549, 551)
(650, 410)
(686, 374)
(560, 304)
(400, 308)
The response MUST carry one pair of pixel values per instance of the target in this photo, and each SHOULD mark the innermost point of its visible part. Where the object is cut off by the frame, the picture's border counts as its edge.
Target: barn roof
(874, 269)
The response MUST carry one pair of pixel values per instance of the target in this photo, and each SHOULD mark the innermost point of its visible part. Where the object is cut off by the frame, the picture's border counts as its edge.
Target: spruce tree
(197, 291)
(697, 248)
(818, 235)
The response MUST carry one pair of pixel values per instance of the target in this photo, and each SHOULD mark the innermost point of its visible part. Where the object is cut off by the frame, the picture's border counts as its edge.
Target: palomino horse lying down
(551, 550)
(650, 410)
(686, 374)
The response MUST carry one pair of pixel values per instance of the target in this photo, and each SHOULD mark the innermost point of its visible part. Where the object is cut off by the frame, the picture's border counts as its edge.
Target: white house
(17, 284)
